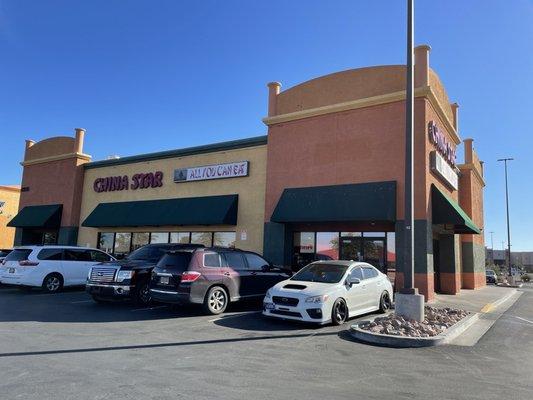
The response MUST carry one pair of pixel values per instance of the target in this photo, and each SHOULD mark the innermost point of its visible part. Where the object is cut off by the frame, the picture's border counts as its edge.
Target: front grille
(285, 301)
(286, 313)
(101, 274)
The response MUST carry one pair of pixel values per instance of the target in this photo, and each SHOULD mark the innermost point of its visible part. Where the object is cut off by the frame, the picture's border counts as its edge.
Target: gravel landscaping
(436, 321)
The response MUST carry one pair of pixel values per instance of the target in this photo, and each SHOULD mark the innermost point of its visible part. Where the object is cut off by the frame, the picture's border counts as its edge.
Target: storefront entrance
(376, 248)
(370, 250)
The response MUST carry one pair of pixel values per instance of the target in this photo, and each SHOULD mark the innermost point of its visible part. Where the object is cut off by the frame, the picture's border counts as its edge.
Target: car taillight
(190, 276)
(28, 263)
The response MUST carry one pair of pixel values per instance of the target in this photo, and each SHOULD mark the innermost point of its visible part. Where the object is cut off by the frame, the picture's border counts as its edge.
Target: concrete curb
(402, 341)
(491, 306)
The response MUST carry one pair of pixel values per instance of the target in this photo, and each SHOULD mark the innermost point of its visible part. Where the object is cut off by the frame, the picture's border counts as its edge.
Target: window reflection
(180, 237)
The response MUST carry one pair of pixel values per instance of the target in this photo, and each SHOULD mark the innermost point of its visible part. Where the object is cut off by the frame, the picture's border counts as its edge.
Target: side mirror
(353, 281)
(266, 268)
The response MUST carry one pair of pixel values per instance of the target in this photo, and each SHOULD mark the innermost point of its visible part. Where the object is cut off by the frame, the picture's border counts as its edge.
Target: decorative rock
(435, 322)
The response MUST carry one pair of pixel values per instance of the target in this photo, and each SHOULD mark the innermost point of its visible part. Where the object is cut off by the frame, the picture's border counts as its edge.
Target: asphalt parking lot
(64, 346)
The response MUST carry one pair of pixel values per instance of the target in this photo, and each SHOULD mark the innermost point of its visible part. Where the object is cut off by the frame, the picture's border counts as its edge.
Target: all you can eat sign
(208, 172)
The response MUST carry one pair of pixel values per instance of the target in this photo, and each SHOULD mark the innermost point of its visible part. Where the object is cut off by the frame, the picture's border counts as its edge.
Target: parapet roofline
(188, 151)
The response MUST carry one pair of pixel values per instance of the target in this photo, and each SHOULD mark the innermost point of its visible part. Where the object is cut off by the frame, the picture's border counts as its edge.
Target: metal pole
(507, 207)
(492, 246)
(409, 282)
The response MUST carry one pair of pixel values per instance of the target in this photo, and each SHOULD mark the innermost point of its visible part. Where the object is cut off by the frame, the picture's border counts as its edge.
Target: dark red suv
(212, 277)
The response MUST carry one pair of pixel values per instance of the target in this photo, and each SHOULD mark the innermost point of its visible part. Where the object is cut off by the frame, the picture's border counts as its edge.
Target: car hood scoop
(294, 286)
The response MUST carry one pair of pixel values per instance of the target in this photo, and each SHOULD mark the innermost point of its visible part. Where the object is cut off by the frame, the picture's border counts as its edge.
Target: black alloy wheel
(339, 312)
(216, 300)
(385, 302)
(143, 296)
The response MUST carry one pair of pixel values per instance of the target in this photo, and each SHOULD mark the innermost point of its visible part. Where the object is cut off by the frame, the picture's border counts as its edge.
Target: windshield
(176, 261)
(147, 253)
(18, 255)
(325, 273)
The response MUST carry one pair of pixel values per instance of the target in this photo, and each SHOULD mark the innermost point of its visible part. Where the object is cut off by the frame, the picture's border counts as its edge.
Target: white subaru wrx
(329, 291)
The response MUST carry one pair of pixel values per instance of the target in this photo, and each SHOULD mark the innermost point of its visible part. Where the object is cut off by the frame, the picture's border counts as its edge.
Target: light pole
(508, 226)
(409, 303)
(492, 246)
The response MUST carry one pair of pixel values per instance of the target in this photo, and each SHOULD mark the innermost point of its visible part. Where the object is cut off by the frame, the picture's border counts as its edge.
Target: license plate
(164, 280)
(11, 270)
(270, 306)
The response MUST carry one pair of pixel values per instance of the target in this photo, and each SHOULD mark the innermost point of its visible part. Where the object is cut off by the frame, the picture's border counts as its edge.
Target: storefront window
(304, 248)
(204, 238)
(225, 239)
(139, 239)
(122, 243)
(180, 237)
(327, 245)
(351, 234)
(159, 237)
(105, 241)
(391, 250)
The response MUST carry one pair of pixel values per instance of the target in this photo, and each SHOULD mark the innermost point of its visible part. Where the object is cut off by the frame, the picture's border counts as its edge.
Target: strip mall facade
(326, 182)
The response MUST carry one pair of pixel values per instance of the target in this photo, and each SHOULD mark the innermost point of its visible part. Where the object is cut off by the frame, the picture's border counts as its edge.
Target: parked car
(4, 253)
(50, 267)
(491, 276)
(213, 277)
(329, 291)
(128, 279)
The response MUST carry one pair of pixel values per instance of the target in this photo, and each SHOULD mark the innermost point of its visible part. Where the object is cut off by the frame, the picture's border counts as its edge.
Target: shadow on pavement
(160, 345)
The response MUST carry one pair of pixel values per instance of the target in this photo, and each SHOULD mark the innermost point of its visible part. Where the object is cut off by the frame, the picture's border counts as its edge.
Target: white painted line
(234, 315)
(523, 319)
(81, 301)
(149, 308)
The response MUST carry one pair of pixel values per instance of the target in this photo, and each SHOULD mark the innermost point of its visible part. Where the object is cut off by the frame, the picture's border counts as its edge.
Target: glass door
(374, 253)
(351, 248)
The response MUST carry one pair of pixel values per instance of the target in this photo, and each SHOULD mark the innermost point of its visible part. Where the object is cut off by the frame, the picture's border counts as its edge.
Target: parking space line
(81, 301)
(523, 319)
(149, 308)
(234, 315)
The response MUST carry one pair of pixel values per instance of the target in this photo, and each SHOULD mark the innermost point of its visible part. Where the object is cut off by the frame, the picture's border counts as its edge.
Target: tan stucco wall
(11, 197)
(251, 191)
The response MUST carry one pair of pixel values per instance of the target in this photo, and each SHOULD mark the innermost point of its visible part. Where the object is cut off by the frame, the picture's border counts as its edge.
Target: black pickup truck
(129, 278)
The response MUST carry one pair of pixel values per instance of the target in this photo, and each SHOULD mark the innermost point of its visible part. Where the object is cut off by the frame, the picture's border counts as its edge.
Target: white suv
(50, 267)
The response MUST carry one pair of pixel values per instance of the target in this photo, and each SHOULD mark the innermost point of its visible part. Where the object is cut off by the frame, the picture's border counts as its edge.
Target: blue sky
(144, 76)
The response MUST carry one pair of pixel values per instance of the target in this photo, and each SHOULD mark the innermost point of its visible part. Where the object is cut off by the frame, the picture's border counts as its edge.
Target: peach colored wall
(356, 146)
(50, 147)
(55, 182)
(10, 195)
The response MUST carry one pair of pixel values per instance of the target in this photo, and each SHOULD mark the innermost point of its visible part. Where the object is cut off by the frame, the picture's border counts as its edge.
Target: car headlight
(123, 275)
(268, 294)
(317, 299)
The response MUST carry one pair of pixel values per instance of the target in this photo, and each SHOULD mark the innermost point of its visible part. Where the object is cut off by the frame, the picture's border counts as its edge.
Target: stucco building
(9, 205)
(326, 182)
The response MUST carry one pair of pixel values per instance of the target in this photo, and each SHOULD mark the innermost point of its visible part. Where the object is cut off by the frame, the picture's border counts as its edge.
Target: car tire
(385, 302)
(216, 300)
(142, 295)
(339, 312)
(52, 283)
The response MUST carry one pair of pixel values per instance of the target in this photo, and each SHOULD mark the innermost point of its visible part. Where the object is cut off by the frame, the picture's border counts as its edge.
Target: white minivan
(50, 267)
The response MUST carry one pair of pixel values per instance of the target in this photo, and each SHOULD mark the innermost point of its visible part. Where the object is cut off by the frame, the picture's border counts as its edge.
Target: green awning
(374, 201)
(447, 211)
(47, 216)
(211, 210)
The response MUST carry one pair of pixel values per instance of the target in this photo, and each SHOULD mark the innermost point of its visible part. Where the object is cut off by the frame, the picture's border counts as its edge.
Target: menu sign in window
(209, 172)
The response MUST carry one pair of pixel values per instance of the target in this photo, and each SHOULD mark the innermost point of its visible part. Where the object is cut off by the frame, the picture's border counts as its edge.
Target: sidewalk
(489, 302)
(479, 300)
